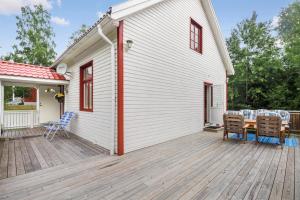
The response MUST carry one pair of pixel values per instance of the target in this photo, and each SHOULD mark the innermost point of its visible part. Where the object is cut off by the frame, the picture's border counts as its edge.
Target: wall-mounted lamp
(129, 44)
(49, 90)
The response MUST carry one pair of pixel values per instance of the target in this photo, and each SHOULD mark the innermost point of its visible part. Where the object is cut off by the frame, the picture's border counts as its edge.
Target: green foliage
(78, 33)
(18, 91)
(35, 43)
(257, 64)
(289, 33)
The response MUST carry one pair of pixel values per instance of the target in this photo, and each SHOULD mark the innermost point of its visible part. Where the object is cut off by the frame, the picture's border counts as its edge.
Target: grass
(19, 107)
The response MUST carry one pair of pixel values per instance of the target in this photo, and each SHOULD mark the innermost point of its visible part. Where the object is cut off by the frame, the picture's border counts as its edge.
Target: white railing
(20, 119)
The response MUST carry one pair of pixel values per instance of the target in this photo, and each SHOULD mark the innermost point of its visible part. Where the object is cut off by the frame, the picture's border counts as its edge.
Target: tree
(257, 65)
(78, 33)
(35, 43)
(289, 33)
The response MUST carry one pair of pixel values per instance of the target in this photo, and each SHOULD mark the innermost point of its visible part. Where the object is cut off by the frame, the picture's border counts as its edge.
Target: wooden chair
(234, 124)
(270, 126)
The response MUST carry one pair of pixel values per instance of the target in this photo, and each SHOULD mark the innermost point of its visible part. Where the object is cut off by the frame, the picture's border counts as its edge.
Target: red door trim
(120, 86)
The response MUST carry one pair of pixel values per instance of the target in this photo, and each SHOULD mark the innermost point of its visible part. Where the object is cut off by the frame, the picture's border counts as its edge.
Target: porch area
(199, 166)
(24, 150)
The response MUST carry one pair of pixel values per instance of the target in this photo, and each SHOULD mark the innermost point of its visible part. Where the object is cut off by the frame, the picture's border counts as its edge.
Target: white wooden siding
(163, 77)
(94, 126)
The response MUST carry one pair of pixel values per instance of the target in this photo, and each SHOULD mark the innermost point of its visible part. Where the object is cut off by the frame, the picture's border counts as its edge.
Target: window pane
(90, 94)
(85, 96)
(196, 37)
(87, 73)
(196, 46)
(192, 37)
(192, 28)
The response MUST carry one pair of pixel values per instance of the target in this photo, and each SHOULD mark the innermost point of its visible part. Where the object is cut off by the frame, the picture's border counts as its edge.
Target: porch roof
(29, 73)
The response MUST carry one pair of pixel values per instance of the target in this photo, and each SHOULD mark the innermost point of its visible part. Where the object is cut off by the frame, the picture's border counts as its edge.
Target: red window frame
(82, 83)
(196, 43)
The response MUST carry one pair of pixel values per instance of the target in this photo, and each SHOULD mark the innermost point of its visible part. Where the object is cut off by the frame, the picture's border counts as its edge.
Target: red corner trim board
(120, 86)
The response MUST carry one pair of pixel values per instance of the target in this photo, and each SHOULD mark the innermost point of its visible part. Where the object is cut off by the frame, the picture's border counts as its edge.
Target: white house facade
(149, 71)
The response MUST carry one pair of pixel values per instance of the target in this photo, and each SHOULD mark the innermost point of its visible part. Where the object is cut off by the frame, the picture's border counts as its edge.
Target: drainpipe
(113, 87)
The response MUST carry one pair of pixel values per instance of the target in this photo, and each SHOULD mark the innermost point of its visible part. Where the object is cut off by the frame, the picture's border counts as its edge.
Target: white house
(147, 72)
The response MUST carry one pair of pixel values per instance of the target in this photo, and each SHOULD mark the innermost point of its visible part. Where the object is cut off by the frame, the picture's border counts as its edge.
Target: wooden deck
(22, 133)
(199, 166)
(24, 155)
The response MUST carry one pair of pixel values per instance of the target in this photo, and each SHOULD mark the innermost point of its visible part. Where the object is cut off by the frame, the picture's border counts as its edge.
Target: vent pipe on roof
(113, 88)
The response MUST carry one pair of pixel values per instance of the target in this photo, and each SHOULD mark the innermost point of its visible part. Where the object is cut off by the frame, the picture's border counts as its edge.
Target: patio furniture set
(264, 123)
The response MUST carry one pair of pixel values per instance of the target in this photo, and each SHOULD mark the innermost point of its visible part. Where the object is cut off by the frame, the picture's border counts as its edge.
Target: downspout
(113, 87)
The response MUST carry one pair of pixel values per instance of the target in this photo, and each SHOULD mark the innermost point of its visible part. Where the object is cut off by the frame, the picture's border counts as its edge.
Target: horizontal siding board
(163, 77)
(94, 126)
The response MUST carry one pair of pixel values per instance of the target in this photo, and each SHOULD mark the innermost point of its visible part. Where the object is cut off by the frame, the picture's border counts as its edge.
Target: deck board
(23, 155)
(199, 166)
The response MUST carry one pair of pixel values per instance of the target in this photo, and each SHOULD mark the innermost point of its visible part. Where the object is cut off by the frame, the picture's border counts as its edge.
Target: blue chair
(61, 125)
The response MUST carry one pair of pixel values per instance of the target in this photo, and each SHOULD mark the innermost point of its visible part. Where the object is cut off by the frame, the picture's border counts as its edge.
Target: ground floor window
(86, 87)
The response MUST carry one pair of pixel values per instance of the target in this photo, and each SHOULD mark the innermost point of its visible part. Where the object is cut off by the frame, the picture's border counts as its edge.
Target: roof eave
(23, 79)
(90, 32)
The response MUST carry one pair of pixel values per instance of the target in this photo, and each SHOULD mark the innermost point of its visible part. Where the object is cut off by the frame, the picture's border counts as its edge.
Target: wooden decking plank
(277, 187)
(250, 179)
(203, 164)
(34, 161)
(200, 190)
(289, 180)
(262, 173)
(148, 172)
(19, 159)
(85, 174)
(188, 182)
(26, 159)
(53, 153)
(11, 167)
(161, 179)
(38, 155)
(4, 160)
(232, 186)
(217, 186)
(40, 144)
(267, 184)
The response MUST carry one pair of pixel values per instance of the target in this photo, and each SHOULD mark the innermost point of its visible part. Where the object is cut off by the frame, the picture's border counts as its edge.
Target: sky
(69, 15)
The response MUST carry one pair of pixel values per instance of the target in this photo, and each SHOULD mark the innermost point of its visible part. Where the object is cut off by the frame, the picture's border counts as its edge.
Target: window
(86, 87)
(196, 37)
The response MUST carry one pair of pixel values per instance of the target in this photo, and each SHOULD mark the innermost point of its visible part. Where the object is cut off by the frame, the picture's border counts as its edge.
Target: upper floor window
(196, 36)
(86, 87)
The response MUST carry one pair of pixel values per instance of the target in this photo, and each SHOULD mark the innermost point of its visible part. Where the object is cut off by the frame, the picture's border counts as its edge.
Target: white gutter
(113, 87)
(20, 79)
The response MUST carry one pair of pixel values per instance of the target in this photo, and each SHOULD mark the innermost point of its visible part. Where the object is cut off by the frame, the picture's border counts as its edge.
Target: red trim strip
(120, 89)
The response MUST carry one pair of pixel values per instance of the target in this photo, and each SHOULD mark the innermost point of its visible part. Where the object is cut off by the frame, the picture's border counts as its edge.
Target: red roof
(26, 70)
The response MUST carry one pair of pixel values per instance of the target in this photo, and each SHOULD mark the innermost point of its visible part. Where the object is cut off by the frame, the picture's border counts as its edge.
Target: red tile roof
(26, 70)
